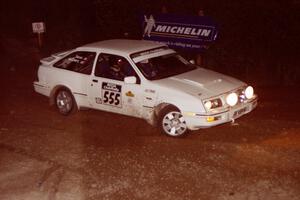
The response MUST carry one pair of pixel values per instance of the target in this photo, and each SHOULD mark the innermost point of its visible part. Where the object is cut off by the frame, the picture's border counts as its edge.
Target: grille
(241, 96)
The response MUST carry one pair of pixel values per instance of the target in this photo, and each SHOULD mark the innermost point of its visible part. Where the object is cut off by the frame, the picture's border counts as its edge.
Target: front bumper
(208, 120)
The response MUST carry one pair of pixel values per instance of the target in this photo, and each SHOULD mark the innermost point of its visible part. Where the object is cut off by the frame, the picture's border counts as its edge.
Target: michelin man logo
(150, 24)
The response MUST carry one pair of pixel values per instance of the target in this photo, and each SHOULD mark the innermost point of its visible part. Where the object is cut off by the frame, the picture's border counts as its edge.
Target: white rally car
(145, 80)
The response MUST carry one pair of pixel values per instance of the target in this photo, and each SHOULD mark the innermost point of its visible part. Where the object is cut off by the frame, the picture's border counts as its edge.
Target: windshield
(164, 66)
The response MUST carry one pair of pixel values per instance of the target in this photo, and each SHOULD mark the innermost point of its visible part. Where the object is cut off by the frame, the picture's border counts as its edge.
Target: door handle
(95, 81)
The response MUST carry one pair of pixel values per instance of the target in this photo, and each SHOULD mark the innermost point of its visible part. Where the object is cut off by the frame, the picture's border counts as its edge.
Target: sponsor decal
(98, 100)
(129, 94)
(150, 91)
(112, 94)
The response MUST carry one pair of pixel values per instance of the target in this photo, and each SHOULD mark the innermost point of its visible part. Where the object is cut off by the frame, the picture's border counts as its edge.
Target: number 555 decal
(111, 94)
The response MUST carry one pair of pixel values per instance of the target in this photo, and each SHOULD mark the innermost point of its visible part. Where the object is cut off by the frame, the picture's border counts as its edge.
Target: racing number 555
(111, 98)
(111, 94)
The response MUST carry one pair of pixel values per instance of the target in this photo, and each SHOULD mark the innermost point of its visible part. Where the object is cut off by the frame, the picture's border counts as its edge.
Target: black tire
(65, 102)
(171, 122)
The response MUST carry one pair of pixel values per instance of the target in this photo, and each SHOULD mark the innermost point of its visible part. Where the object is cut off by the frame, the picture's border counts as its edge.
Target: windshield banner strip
(152, 55)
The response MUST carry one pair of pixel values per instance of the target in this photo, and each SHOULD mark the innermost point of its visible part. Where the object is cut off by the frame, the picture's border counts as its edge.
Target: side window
(114, 67)
(80, 61)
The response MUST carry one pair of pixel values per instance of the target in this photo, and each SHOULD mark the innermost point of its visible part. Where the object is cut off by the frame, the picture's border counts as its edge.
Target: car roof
(121, 46)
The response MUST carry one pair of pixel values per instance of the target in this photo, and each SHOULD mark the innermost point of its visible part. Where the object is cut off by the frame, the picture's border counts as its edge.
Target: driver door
(109, 92)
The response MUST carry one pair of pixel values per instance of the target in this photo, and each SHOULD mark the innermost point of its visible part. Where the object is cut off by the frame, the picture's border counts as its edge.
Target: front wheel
(172, 122)
(65, 102)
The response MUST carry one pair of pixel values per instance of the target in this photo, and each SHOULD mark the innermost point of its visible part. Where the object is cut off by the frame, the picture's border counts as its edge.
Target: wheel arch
(54, 92)
(158, 108)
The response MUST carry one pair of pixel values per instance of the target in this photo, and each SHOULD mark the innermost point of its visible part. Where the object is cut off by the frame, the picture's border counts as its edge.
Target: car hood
(201, 82)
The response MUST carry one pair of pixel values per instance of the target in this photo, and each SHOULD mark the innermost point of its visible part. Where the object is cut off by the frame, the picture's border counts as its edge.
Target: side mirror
(130, 80)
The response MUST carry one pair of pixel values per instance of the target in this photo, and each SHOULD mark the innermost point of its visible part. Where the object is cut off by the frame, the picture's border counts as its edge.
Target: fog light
(210, 119)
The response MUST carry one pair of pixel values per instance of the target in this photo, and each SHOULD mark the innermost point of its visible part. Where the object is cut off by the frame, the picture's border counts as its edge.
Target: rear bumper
(41, 88)
(206, 120)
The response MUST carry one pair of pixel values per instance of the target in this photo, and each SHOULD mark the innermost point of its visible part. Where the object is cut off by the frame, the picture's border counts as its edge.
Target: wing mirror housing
(130, 80)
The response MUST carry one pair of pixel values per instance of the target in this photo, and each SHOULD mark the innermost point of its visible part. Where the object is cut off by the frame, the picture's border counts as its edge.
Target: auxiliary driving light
(249, 92)
(232, 99)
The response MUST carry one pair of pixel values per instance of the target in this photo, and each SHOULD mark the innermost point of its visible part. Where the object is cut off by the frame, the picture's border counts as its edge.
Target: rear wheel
(172, 122)
(65, 102)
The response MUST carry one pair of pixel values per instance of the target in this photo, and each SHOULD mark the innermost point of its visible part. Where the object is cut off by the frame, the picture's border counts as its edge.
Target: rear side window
(80, 61)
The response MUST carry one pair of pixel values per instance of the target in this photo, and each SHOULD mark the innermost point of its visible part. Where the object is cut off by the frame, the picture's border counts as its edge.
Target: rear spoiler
(54, 57)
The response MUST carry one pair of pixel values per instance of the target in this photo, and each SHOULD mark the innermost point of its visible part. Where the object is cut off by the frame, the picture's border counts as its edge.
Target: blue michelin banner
(188, 32)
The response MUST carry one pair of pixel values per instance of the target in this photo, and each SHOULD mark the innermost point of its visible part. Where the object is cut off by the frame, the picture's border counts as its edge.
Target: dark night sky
(277, 17)
(271, 24)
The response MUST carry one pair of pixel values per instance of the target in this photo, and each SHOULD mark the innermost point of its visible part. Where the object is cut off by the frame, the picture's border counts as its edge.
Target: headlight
(213, 103)
(249, 92)
(232, 99)
(208, 105)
